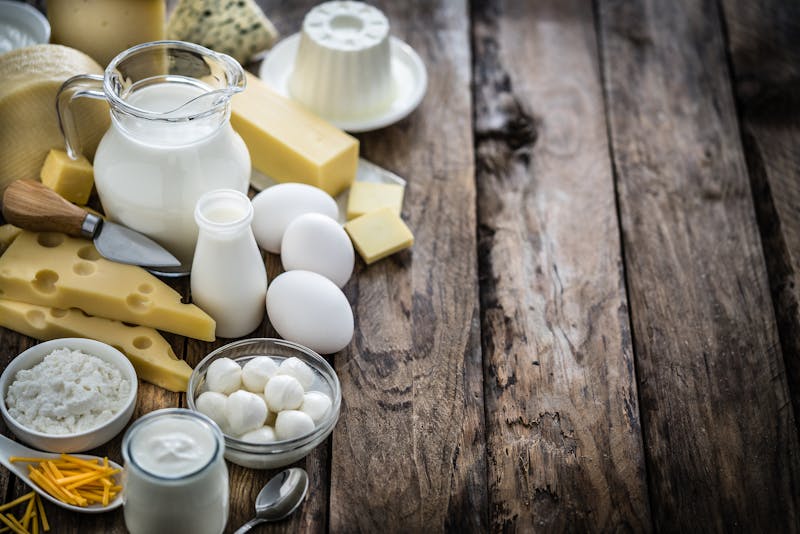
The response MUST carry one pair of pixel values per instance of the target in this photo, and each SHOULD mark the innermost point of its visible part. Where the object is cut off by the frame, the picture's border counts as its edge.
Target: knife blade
(33, 206)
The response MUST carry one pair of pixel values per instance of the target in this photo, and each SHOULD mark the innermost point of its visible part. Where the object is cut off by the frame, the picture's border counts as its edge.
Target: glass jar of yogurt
(176, 480)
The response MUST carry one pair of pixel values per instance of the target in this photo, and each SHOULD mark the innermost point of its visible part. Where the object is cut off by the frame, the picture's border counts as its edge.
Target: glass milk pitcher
(170, 139)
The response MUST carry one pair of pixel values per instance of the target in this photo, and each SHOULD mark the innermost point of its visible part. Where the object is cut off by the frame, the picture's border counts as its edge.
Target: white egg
(293, 424)
(309, 309)
(283, 392)
(224, 376)
(317, 243)
(299, 369)
(275, 207)
(245, 411)
(213, 404)
(257, 371)
(265, 434)
(316, 404)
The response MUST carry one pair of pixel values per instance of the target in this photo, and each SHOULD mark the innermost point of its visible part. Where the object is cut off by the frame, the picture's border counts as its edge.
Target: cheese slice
(290, 144)
(8, 233)
(365, 197)
(71, 178)
(55, 270)
(378, 234)
(29, 81)
(104, 28)
(150, 354)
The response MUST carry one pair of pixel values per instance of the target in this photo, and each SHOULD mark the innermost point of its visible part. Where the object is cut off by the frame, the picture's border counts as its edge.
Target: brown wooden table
(598, 325)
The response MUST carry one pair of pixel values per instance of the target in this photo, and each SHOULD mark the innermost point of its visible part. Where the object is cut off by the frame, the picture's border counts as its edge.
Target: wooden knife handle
(33, 206)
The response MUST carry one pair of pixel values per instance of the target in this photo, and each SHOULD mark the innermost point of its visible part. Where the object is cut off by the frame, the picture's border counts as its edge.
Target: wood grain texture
(719, 430)
(408, 452)
(563, 433)
(764, 45)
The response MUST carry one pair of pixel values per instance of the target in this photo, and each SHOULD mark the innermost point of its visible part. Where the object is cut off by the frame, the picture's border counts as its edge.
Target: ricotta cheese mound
(67, 392)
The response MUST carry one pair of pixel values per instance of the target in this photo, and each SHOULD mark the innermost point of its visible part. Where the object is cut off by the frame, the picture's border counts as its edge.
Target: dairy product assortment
(173, 162)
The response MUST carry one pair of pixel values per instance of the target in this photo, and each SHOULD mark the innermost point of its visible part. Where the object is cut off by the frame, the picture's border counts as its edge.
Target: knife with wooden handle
(32, 206)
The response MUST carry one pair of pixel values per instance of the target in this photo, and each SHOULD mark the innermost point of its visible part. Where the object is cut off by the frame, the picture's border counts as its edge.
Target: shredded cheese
(29, 522)
(72, 480)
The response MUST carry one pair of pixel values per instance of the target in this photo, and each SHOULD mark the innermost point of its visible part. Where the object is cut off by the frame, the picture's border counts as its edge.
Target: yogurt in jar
(176, 478)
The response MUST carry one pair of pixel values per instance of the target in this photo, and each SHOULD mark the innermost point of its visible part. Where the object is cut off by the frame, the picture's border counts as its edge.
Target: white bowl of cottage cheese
(68, 395)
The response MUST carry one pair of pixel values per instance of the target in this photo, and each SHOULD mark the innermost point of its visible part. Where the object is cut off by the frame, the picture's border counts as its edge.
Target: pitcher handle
(83, 85)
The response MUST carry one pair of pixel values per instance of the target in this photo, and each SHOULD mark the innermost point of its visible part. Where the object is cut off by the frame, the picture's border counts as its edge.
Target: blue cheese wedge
(235, 27)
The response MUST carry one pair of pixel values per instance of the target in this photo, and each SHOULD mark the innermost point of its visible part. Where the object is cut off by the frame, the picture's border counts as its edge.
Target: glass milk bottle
(229, 280)
(170, 139)
(176, 480)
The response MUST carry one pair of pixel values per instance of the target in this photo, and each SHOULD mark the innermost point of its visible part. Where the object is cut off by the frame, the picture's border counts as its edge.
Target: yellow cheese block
(55, 270)
(365, 197)
(104, 28)
(8, 233)
(150, 354)
(378, 234)
(29, 80)
(290, 144)
(70, 178)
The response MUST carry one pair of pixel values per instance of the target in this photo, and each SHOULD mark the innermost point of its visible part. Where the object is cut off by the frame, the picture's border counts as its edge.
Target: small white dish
(79, 441)
(21, 25)
(10, 448)
(408, 71)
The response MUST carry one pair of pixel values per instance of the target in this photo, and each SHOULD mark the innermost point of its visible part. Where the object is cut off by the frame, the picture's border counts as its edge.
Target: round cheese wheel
(29, 81)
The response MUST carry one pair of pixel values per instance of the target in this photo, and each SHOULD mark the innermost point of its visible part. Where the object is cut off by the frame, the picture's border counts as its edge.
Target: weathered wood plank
(764, 44)
(562, 421)
(408, 452)
(719, 429)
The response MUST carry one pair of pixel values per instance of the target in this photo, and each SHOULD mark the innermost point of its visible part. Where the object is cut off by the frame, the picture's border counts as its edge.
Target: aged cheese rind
(290, 144)
(71, 178)
(237, 28)
(104, 28)
(150, 354)
(55, 270)
(29, 81)
(378, 234)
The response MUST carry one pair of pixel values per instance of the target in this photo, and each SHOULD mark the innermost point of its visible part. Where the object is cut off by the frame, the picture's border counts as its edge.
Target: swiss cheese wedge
(150, 354)
(29, 81)
(58, 271)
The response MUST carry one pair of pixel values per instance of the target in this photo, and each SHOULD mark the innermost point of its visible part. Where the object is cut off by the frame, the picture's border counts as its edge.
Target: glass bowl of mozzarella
(274, 400)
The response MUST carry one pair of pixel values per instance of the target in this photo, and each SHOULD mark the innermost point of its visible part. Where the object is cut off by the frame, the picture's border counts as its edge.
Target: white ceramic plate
(408, 71)
(21, 25)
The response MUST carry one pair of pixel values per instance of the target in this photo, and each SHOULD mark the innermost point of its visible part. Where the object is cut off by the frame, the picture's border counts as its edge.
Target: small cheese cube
(370, 196)
(290, 144)
(72, 179)
(378, 234)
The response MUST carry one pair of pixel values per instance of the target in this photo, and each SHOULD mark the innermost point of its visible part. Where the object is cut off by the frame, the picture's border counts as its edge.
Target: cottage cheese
(68, 392)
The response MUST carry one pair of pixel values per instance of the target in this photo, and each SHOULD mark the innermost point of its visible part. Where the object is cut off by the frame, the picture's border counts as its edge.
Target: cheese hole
(45, 281)
(84, 268)
(142, 342)
(145, 288)
(36, 318)
(89, 253)
(50, 240)
(138, 303)
(58, 312)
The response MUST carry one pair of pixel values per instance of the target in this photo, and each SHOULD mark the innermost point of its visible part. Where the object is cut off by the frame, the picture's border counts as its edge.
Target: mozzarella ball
(257, 371)
(317, 243)
(265, 434)
(316, 404)
(224, 376)
(245, 411)
(213, 404)
(293, 424)
(299, 369)
(283, 392)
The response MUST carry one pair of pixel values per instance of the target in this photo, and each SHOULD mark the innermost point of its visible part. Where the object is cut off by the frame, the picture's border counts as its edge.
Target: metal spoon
(12, 448)
(281, 496)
